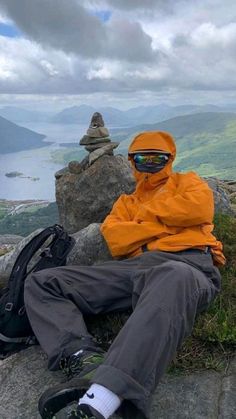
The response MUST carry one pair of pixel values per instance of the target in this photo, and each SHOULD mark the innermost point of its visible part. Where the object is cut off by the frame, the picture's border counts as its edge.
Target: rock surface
(99, 152)
(7, 260)
(90, 248)
(205, 395)
(89, 196)
(10, 239)
(221, 196)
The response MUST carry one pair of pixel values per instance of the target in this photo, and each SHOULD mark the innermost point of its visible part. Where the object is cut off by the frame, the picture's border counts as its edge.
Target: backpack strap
(19, 269)
(29, 340)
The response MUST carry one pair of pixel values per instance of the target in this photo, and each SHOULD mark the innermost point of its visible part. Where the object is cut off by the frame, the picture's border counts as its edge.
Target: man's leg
(167, 295)
(56, 300)
(167, 299)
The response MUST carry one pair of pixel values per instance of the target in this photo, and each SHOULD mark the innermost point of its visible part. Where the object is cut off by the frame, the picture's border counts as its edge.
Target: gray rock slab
(99, 152)
(90, 247)
(24, 377)
(7, 261)
(88, 197)
(98, 132)
(227, 402)
(221, 197)
(10, 239)
(86, 139)
(92, 147)
(194, 396)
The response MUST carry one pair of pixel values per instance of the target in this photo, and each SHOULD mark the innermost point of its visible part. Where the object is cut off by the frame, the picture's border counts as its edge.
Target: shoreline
(12, 207)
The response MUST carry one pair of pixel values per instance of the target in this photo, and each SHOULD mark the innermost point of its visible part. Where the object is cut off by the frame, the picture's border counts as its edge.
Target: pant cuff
(123, 386)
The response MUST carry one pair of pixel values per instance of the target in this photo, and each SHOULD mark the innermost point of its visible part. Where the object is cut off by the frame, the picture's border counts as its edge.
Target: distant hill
(19, 115)
(146, 114)
(15, 138)
(82, 115)
(206, 142)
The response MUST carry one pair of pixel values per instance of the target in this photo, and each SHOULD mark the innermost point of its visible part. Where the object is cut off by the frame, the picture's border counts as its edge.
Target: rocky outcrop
(8, 259)
(90, 247)
(87, 197)
(8, 242)
(222, 194)
(205, 395)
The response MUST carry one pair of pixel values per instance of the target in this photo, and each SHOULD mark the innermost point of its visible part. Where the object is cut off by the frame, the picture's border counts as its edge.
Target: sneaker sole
(55, 399)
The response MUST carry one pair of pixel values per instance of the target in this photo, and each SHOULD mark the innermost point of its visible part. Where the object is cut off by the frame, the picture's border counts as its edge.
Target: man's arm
(124, 235)
(192, 205)
(126, 230)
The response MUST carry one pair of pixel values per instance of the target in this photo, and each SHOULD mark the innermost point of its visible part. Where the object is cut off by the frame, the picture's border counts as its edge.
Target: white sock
(100, 398)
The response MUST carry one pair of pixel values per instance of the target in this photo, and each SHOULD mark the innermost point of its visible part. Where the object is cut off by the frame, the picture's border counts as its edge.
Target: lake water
(36, 163)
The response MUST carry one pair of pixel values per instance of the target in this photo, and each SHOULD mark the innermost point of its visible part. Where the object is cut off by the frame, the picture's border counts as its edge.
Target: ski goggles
(150, 158)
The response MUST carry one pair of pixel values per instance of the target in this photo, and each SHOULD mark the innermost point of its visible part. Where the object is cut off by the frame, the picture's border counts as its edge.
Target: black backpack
(15, 329)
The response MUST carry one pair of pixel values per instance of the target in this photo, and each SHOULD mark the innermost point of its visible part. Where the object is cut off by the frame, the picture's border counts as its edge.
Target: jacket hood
(153, 141)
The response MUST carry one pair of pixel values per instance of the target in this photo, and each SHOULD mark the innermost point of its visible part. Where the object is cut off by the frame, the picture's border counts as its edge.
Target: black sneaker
(81, 363)
(84, 412)
(81, 370)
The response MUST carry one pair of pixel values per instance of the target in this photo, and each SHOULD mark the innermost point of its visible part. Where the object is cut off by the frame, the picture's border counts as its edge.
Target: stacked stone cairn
(97, 140)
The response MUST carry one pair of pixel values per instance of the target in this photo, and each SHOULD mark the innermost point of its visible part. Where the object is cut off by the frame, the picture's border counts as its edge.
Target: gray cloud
(73, 29)
(139, 4)
(67, 49)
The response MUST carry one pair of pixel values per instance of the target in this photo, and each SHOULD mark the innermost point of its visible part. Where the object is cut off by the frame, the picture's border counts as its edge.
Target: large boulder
(90, 247)
(87, 197)
(221, 196)
(7, 260)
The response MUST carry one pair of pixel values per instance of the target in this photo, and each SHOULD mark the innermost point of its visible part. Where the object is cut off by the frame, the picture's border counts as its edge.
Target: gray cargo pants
(166, 291)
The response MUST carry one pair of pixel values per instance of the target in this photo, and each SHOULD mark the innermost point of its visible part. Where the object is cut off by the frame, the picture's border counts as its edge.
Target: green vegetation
(214, 336)
(26, 222)
(3, 209)
(64, 156)
(219, 323)
(206, 142)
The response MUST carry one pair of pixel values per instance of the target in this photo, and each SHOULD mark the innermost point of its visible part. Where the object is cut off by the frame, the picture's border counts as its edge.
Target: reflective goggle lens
(150, 158)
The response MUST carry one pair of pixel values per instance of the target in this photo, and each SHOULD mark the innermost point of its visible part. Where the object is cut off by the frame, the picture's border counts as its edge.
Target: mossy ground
(213, 339)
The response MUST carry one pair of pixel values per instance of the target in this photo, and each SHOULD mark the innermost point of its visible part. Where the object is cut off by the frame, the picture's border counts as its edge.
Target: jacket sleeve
(124, 235)
(191, 205)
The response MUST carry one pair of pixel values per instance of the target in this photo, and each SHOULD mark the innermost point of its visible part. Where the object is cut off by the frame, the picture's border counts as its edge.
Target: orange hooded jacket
(168, 211)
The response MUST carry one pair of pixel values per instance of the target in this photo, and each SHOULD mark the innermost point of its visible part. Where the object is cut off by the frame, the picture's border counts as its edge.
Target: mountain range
(146, 114)
(15, 138)
(206, 142)
(113, 117)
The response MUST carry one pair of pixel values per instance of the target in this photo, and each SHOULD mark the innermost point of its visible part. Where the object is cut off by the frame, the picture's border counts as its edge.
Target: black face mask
(150, 167)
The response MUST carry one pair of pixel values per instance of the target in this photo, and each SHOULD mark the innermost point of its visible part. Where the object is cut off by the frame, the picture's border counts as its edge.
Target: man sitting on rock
(164, 268)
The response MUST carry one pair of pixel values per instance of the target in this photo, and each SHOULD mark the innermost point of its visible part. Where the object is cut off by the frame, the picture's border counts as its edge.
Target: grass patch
(214, 336)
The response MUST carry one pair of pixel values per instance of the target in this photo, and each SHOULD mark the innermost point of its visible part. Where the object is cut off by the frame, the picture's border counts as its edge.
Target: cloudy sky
(123, 53)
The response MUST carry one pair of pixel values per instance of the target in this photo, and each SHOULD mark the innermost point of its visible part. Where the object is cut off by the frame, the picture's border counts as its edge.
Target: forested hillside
(206, 142)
